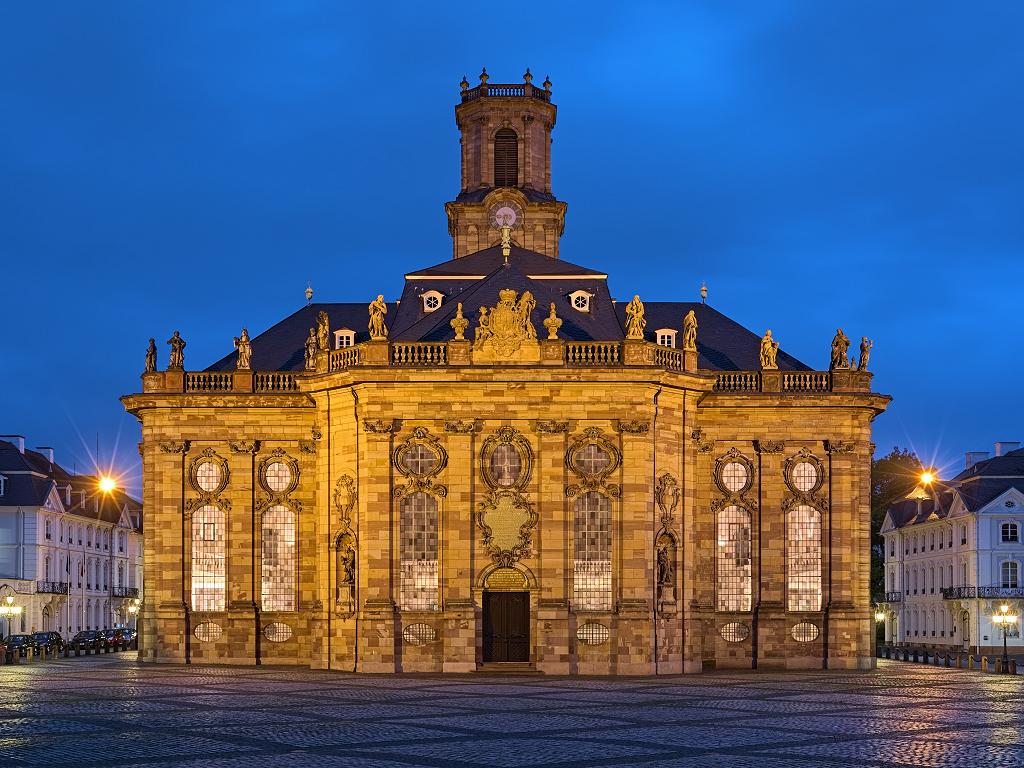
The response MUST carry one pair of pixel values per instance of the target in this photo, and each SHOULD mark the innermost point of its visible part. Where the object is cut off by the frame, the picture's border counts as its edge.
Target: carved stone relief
(593, 458)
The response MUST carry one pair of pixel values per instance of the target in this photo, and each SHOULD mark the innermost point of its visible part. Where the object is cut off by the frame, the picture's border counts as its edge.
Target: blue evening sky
(193, 165)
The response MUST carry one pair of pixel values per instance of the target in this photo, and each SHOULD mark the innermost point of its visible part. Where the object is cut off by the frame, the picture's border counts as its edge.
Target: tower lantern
(506, 168)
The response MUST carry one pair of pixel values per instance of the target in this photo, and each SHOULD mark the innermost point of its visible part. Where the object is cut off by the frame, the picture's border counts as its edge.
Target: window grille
(419, 460)
(593, 633)
(506, 158)
(1010, 533)
(581, 302)
(592, 459)
(734, 632)
(592, 563)
(805, 476)
(419, 565)
(207, 632)
(1009, 572)
(277, 632)
(278, 476)
(419, 634)
(734, 476)
(208, 563)
(208, 475)
(803, 554)
(805, 632)
(734, 586)
(506, 465)
(278, 578)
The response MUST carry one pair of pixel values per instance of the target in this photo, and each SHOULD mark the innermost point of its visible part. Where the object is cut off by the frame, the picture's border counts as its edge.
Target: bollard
(936, 659)
(1013, 667)
(947, 659)
(42, 653)
(3, 654)
(999, 666)
(983, 664)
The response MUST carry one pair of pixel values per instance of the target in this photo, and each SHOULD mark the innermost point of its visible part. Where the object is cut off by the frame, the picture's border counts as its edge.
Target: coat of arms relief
(506, 332)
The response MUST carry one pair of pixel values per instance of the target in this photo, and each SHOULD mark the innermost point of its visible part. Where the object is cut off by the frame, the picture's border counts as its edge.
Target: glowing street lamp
(10, 610)
(879, 616)
(1004, 619)
(107, 484)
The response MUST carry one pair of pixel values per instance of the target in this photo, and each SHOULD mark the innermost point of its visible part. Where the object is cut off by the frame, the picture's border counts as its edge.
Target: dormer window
(666, 337)
(580, 300)
(344, 337)
(432, 300)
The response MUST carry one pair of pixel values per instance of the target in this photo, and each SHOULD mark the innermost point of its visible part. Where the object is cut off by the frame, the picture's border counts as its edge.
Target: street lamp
(1004, 619)
(10, 610)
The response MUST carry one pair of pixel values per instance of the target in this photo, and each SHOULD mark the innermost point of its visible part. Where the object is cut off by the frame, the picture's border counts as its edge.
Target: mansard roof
(475, 281)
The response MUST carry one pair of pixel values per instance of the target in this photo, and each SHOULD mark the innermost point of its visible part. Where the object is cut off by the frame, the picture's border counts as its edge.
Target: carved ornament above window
(593, 458)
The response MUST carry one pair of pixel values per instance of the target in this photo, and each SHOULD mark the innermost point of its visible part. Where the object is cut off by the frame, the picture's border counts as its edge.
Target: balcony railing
(967, 593)
(738, 381)
(806, 381)
(125, 592)
(52, 587)
(419, 353)
(893, 597)
(276, 382)
(207, 381)
(518, 89)
(596, 353)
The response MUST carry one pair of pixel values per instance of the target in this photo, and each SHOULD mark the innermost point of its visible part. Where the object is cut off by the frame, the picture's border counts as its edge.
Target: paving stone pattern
(112, 710)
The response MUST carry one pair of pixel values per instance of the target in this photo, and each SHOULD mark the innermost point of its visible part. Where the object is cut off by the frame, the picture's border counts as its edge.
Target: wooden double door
(506, 626)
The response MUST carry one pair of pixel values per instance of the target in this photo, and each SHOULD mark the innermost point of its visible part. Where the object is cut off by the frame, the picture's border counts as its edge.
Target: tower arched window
(279, 563)
(506, 158)
(803, 556)
(419, 552)
(209, 570)
(592, 554)
(733, 566)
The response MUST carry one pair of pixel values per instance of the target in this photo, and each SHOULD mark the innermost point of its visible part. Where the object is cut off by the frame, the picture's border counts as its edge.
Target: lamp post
(1004, 619)
(10, 610)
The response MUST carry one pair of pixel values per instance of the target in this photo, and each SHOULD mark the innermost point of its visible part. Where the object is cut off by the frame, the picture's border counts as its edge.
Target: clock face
(506, 214)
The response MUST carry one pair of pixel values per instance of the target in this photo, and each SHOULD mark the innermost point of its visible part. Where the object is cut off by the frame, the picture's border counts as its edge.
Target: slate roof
(476, 279)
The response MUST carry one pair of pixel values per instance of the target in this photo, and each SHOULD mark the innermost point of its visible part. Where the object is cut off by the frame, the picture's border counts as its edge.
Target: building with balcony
(953, 555)
(69, 554)
(507, 465)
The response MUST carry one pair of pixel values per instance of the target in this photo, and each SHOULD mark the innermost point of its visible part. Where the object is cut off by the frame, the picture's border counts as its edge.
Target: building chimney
(18, 440)
(47, 451)
(1004, 447)
(973, 457)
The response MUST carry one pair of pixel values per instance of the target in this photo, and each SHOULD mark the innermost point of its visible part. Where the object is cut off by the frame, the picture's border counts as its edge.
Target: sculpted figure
(176, 362)
(769, 351)
(378, 308)
(865, 352)
(524, 308)
(483, 328)
(552, 323)
(151, 356)
(312, 346)
(323, 331)
(635, 322)
(244, 350)
(690, 332)
(666, 568)
(840, 345)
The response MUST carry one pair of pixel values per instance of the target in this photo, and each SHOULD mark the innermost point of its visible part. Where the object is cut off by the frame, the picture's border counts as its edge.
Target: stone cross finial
(552, 323)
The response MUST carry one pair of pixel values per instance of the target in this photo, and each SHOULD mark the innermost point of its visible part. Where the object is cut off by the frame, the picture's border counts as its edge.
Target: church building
(504, 467)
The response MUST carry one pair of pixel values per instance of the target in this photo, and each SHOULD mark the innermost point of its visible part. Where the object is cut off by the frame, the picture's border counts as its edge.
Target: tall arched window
(506, 158)
(278, 582)
(592, 553)
(208, 565)
(48, 568)
(803, 559)
(734, 587)
(1009, 574)
(419, 549)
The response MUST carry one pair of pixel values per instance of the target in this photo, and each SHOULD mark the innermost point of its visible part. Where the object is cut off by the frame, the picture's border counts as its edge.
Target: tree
(892, 478)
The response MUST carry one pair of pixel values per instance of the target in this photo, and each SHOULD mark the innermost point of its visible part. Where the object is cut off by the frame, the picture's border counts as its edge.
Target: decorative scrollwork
(346, 495)
(174, 446)
(210, 494)
(272, 496)
(307, 446)
(840, 446)
(379, 426)
(593, 458)
(419, 477)
(244, 446)
(725, 476)
(552, 426)
(460, 426)
(666, 493)
(512, 437)
(506, 520)
(632, 427)
(769, 446)
(803, 487)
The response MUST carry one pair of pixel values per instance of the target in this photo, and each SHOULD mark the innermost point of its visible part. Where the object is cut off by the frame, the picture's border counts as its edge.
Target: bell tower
(506, 168)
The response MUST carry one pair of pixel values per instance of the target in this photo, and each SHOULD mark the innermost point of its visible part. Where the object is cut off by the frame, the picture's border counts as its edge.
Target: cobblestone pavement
(111, 710)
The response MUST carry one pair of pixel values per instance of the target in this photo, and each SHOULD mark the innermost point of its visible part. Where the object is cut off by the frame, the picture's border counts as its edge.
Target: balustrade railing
(124, 591)
(593, 353)
(208, 381)
(347, 357)
(963, 593)
(276, 381)
(669, 358)
(419, 353)
(738, 381)
(893, 597)
(518, 89)
(806, 381)
(52, 587)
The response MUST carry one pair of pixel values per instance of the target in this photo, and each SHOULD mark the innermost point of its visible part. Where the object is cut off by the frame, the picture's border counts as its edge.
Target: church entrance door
(506, 626)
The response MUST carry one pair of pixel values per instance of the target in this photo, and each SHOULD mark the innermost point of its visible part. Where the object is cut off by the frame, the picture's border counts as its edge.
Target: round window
(419, 460)
(279, 476)
(592, 633)
(277, 632)
(735, 476)
(592, 459)
(506, 465)
(804, 632)
(580, 302)
(207, 631)
(734, 632)
(208, 476)
(433, 302)
(805, 476)
(419, 634)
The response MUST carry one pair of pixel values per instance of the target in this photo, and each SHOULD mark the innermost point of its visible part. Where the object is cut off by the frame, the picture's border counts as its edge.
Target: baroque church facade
(507, 467)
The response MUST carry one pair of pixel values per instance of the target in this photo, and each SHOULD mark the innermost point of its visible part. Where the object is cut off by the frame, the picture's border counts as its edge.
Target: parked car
(114, 637)
(87, 640)
(51, 641)
(23, 645)
(129, 634)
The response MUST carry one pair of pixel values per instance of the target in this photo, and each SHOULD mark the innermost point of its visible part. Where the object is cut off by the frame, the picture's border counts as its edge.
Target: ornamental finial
(309, 293)
(483, 76)
(464, 84)
(547, 83)
(703, 292)
(527, 77)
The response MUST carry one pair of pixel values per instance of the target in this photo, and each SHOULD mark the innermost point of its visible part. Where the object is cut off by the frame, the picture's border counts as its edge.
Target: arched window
(592, 553)
(419, 550)
(48, 569)
(48, 525)
(278, 582)
(733, 566)
(208, 565)
(506, 158)
(1008, 574)
(803, 559)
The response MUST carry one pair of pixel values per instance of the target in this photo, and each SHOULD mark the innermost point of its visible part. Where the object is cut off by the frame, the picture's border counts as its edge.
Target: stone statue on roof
(323, 331)
(865, 352)
(244, 348)
(378, 308)
(459, 323)
(176, 362)
(769, 352)
(312, 346)
(524, 309)
(553, 323)
(690, 332)
(840, 345)
(635, 322)
(483, 329)
(151, 356)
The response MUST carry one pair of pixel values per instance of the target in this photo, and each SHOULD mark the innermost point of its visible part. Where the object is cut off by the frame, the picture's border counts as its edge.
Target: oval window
(208, 476)
(419, 634)
(278, 476)
(207, 632)
(506, 465)
(805, 476)
(734, 632)
(277, 632)
(804, 632)
(592, 633)
(419, 460)
(592, 459)
(735, 476)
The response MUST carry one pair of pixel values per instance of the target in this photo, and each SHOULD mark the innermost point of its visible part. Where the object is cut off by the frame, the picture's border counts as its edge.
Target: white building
(69, 554)
(954, 554)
